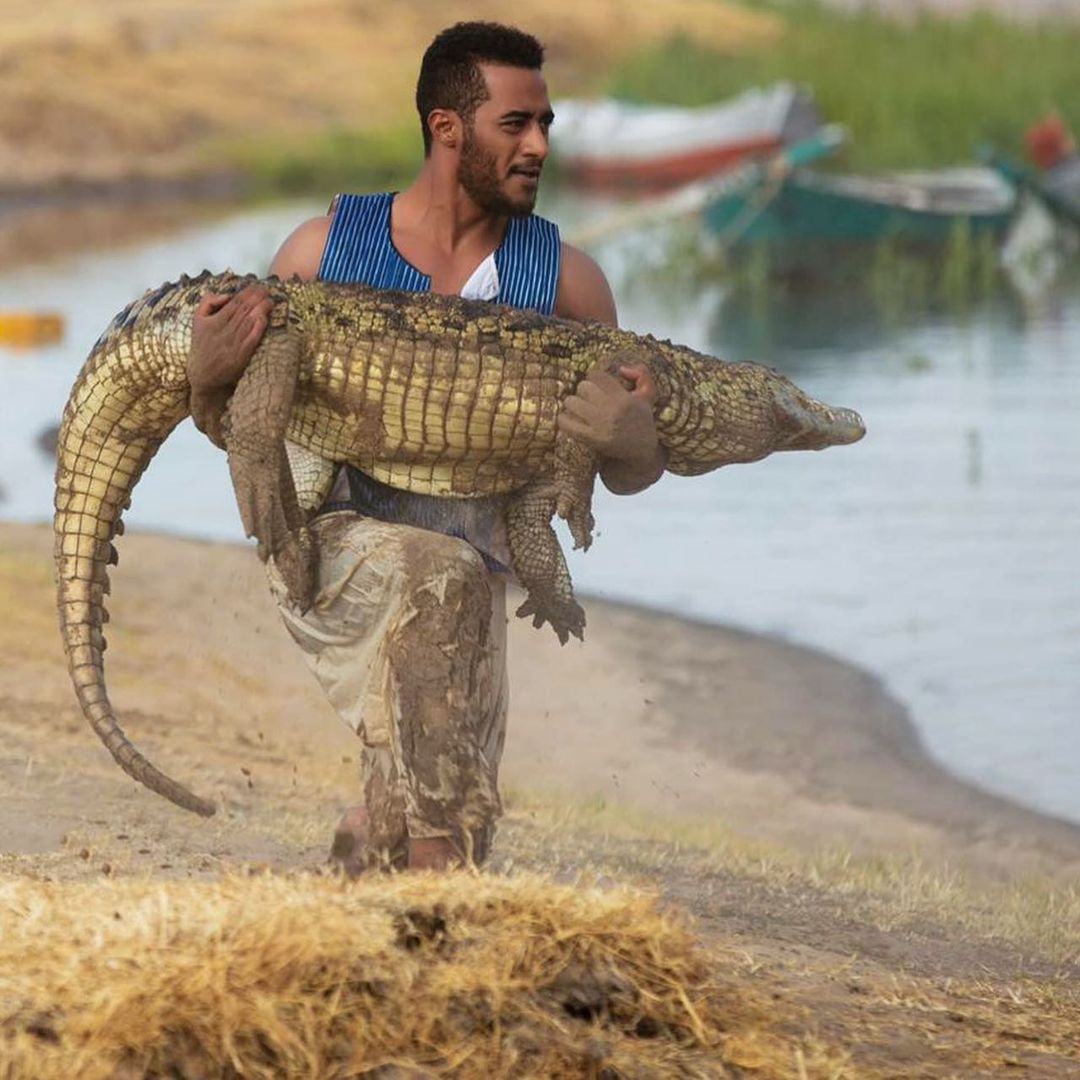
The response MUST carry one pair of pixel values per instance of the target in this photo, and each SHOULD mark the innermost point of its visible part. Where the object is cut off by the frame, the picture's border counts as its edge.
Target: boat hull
(812, 211)
(616, 146)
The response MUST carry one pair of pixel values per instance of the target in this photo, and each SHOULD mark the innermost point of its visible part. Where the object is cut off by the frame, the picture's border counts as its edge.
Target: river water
(940, 553)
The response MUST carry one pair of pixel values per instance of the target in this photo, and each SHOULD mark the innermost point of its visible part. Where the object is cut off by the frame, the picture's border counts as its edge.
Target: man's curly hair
(450, 76)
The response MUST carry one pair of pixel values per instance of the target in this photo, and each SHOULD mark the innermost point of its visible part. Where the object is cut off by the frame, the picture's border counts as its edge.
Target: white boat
(616, 145)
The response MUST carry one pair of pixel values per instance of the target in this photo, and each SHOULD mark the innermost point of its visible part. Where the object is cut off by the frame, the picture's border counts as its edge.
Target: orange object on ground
(26, 329)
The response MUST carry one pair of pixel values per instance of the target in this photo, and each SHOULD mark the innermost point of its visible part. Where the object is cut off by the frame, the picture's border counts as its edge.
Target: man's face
(505, 146)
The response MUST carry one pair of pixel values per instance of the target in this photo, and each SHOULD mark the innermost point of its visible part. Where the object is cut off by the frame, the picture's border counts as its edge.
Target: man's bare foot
(349, 849)
(433, 853)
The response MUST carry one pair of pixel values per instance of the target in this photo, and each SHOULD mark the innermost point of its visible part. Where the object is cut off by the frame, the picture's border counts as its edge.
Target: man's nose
(536, 142)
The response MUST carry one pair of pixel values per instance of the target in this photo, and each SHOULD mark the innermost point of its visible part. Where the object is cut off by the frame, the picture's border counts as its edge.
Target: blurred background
(880, 199)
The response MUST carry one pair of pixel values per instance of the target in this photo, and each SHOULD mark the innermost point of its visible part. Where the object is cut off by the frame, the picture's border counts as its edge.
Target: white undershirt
(483, 283)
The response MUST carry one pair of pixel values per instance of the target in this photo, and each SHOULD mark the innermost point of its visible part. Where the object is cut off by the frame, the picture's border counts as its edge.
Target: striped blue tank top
(359, 250)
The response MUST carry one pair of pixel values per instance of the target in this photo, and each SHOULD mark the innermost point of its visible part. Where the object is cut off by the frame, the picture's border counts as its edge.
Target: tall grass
(919, 93)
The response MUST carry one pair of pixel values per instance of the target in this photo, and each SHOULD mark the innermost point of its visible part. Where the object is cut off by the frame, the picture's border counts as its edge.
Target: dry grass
(118, 87)
(269, 977)
(892, 891)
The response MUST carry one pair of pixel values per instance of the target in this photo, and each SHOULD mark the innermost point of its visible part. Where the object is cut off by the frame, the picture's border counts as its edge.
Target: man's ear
(445, 127)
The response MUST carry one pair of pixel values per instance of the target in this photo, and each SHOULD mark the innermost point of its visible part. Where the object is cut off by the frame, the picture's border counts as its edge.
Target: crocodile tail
(118, 415)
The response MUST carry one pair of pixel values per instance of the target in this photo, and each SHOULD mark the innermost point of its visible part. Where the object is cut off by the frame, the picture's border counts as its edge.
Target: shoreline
(679, 721)
(891, 721)
(915, 799)
(787, 745)
(67, 221)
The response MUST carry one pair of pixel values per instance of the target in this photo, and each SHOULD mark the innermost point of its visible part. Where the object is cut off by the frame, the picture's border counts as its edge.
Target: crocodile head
(803, 423)
(711, 413)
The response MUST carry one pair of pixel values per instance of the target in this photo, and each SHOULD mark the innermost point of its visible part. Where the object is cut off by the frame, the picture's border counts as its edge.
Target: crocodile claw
(565, 616)
(296, 563)
(578, 516)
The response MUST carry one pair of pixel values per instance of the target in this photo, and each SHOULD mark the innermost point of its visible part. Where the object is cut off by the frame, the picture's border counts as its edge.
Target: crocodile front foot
(262, 479)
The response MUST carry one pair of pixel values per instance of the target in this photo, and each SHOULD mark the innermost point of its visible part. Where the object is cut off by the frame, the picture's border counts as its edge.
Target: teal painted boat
(1058, 189)
(808, 211)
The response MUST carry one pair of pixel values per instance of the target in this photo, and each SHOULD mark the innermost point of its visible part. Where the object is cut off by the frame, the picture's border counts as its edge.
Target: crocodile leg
(539, 563)
(575, 474)
(259, 463)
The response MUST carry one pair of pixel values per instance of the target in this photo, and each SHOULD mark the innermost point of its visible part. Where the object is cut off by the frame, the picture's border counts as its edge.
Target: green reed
(916, 94)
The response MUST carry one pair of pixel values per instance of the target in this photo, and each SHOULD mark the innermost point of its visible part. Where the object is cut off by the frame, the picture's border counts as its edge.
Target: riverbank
(119, 90)
(885, 909)
(655, 718)
(194, 93)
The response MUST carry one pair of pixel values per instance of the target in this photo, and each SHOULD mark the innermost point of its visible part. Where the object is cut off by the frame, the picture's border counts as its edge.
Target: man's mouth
(529, 173)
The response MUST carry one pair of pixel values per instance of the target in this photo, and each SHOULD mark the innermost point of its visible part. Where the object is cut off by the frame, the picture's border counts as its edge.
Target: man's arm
(227, 329)
(612, 415)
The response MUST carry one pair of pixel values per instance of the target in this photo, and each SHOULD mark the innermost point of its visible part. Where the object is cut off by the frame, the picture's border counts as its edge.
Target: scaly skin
(431, 394)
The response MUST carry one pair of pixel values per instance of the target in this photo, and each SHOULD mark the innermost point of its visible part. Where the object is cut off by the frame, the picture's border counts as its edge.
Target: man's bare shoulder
(584, 292)
(302, 251)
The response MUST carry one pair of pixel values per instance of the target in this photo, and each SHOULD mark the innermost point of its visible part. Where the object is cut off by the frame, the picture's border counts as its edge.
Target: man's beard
(479, 176)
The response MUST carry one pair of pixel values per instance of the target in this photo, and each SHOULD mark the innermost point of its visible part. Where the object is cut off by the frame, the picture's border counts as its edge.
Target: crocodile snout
(806, 424)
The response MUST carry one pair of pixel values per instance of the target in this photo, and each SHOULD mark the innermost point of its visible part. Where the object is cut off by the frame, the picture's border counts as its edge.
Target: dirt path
(661, 721)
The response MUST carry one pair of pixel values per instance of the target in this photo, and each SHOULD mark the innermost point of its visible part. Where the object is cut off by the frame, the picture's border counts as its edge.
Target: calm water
(940, 553)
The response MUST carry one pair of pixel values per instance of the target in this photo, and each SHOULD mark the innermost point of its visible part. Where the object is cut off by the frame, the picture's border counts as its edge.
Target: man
(1051, 146)
(407, 633)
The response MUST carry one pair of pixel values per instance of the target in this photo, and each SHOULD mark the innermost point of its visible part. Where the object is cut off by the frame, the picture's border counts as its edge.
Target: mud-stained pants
(407, 637)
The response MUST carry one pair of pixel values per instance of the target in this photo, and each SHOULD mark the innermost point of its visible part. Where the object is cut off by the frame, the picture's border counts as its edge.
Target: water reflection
(941, 551)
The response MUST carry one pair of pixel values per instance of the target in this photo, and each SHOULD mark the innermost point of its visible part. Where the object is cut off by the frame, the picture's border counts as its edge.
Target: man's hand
(224, 335)
(615, 418)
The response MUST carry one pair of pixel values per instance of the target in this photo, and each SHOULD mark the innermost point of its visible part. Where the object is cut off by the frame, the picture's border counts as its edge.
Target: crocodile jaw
(806, 424)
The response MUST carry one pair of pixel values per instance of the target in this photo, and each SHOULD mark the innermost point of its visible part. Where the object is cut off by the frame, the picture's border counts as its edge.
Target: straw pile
(307, 976)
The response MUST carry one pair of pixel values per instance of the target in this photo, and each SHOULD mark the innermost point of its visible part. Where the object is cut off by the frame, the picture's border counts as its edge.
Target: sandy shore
(683, 722)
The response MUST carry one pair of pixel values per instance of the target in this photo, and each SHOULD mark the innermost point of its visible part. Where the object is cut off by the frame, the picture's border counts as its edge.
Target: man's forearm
(628, 476)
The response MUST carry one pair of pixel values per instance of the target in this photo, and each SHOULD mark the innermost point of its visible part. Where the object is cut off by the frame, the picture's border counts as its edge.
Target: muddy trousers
(407, 636)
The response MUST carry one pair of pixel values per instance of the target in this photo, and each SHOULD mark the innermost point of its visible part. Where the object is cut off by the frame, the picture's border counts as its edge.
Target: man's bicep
(302, 251)
(584, 292)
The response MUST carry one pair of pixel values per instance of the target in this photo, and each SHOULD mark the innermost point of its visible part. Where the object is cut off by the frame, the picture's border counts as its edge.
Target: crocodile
(427, 393)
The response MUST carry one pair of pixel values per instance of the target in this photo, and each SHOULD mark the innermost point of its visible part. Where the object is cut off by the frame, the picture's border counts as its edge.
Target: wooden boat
(615, 145)
(812, 211)
(691, 199)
